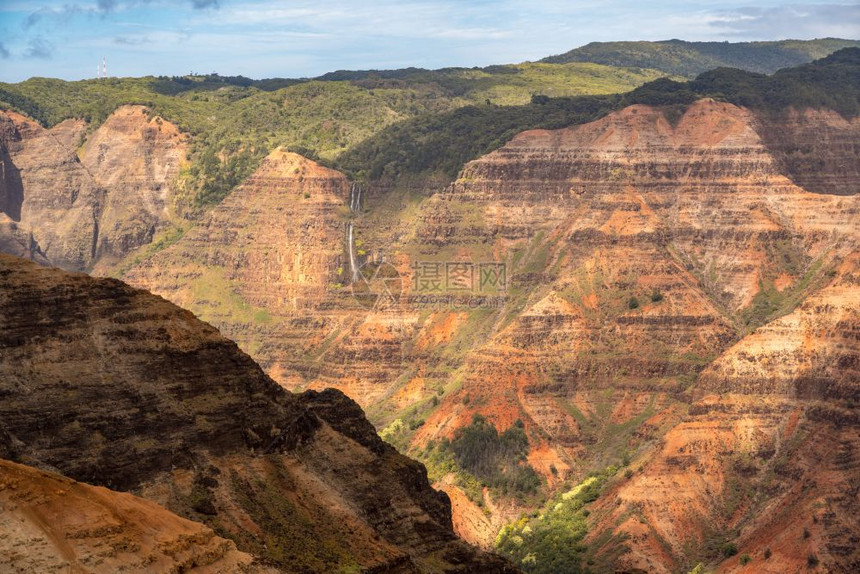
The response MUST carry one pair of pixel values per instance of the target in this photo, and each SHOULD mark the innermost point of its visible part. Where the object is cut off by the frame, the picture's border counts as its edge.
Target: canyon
(679, 315)
(699, 222)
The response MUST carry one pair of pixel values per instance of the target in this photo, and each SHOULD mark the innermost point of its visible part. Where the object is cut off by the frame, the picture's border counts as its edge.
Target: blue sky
(299, 38)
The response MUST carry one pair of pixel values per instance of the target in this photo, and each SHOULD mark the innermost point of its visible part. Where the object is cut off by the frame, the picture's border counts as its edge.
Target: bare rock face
(709, 186)
(812, 353)
(261, 264)
(18, 242)
(54, 197)
(655, 240)
(269, 267)
(276, 240)
(767, 456)
(136, 159)
(117, 387)
(52, 523)
(92, 203)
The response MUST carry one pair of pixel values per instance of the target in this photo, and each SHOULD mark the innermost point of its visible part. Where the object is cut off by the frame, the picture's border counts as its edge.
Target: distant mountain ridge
(692, 58)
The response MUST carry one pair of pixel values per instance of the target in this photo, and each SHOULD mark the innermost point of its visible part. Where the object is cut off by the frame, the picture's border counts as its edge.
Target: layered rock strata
(639, 250)
(117, 387)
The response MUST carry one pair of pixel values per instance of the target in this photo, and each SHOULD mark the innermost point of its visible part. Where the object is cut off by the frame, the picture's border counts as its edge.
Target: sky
(300, 38)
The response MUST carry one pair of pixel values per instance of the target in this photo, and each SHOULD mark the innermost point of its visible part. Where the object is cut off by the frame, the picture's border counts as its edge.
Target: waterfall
(353, 267)
(354, 207)
(354, 197)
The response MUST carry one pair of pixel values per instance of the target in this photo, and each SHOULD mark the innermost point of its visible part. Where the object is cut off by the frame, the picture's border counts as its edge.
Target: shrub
(745, 559)
(633, 303)
(729, 549)
(767, 553)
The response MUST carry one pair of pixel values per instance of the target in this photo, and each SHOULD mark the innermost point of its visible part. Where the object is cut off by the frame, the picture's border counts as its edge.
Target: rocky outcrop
(18, 242)
(118, 387)
(136, 158)
(644, 245)
(769, 464)
(57, 200)
(52, 523)
(812, 353)
(708, 186)
(87, 198)
(762, 475)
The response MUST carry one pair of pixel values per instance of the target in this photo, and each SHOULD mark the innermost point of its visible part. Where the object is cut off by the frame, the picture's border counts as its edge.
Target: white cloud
(309, 37)
(793, 20)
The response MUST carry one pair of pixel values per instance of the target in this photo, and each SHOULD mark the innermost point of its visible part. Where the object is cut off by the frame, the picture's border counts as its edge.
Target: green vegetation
(445, 142)
(507, 84)
(402, 123)
(290, 538)
(236, 121)
(553, 540)
(692, 58)
(729, 549)
(770, 303)
(832, 82)
(478, 457)
(440, 464)
(161, 240)
(499, 461)
(607, 442)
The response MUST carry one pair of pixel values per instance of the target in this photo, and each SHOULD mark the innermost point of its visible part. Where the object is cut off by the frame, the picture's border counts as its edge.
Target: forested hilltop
(692, 58)
(236, 121)
(445, 142)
